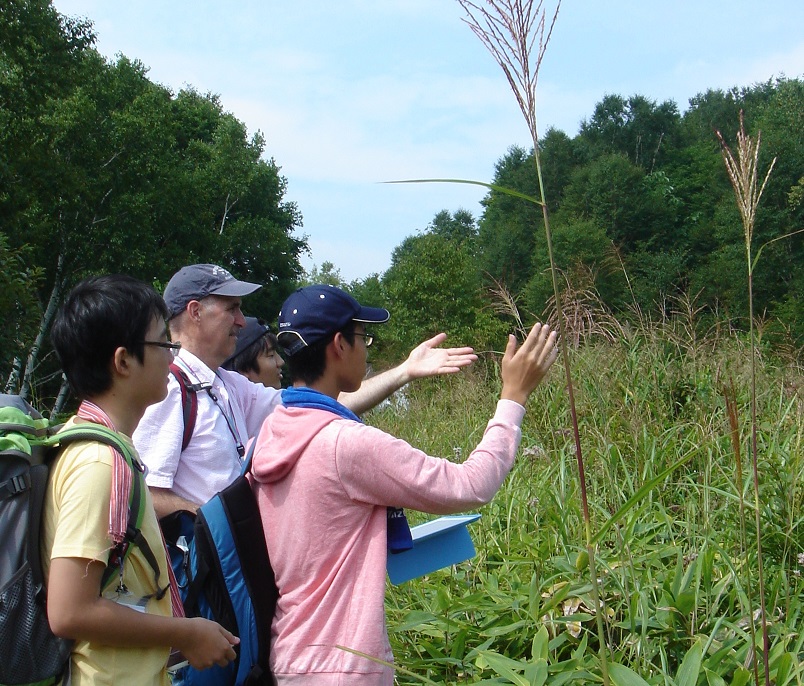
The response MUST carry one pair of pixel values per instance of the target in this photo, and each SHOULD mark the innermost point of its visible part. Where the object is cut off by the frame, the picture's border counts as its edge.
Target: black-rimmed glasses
(168, 345)
(367, 337)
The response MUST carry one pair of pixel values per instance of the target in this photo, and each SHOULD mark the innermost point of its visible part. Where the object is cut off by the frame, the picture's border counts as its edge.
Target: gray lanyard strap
(229, 417)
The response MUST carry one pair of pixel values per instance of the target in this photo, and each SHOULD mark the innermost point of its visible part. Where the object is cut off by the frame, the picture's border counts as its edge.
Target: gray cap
(198, 281)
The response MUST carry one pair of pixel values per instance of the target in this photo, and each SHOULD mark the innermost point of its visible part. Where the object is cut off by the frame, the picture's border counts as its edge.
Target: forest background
(102, 170)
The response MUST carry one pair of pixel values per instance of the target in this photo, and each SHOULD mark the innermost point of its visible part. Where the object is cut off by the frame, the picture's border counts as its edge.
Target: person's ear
(193, 310)
(121, 362)
(339, 345)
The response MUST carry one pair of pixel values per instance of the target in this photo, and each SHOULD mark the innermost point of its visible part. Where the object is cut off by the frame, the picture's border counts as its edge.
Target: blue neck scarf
(307, 397)
(399, 536)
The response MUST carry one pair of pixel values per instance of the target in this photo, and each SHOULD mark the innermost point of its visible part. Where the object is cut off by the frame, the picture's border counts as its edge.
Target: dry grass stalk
(504, 303)
(510, 30)
(743, 175)
(585, 315)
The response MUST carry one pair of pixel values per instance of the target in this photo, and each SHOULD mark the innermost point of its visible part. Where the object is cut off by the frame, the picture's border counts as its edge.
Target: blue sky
(350, 93)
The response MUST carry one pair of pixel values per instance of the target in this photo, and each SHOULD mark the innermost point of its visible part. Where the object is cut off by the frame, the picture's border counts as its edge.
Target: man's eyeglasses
(368, 337)
(164, 344)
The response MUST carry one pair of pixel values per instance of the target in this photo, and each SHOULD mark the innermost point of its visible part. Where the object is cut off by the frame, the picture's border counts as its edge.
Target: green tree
(459, 227)
(635, 127)
(434, 285)
(327, 273)
(120, 175)
(509, 225)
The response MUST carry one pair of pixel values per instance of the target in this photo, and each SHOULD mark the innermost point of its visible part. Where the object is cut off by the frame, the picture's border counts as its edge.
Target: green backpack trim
(136, 503)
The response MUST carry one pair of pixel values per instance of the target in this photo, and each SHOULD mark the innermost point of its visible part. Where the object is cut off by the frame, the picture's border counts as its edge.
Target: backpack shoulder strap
(136, 506)
(189, 403)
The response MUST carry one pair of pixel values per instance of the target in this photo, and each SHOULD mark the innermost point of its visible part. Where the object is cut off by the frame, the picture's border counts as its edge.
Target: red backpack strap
(189, 403)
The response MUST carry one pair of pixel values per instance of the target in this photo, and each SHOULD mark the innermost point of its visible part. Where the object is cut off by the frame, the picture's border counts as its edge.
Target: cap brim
(291, 342)
(372, 315)
(236, 288)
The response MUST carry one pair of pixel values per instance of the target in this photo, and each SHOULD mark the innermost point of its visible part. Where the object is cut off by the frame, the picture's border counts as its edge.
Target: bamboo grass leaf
(540, 641)
(536, 674)
(690, 667)
(504, 666)
(624, 676)
(646, 488)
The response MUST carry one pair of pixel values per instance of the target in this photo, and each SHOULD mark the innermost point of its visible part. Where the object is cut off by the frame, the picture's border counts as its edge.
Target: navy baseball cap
(253, 331)
(312, 313)
(198, 281)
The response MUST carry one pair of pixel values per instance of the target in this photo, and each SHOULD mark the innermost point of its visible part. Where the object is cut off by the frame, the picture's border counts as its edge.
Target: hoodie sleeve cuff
(509, 411)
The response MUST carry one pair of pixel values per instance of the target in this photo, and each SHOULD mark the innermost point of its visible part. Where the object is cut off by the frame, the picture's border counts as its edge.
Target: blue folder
(439, 543)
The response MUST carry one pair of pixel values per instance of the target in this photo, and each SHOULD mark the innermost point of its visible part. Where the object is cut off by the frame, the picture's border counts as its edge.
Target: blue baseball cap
(312, 313)
(252, 332)
(197, 281)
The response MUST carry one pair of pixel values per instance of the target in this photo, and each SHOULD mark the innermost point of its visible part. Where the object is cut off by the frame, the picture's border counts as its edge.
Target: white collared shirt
(211, 461)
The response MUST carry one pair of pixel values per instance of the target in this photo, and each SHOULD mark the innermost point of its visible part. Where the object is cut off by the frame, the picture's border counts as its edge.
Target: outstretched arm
(426, 359)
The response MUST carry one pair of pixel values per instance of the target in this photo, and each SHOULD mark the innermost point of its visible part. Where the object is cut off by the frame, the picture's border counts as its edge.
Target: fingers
(233, 640)
(510, 347)
(540, 343)
(227, 657)
(436, 340)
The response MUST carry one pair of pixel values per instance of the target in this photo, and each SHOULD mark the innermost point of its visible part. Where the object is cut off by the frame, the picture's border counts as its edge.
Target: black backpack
(224, 573)
(29, 652)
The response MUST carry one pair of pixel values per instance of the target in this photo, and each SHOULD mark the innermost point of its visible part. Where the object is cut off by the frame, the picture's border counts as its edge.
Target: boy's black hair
(309, 363)
(246, 360)
(101, 314)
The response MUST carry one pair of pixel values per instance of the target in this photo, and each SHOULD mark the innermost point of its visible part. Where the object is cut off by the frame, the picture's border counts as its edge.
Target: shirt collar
(196, 367)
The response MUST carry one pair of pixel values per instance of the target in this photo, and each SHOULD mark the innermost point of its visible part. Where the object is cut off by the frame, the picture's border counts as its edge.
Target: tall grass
(672, 566)
(516, 33)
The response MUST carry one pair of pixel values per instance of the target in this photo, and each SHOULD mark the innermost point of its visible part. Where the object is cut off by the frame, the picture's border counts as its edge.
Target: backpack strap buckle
(15, 485)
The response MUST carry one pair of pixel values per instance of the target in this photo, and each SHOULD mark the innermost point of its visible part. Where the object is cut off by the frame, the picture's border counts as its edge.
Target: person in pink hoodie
(329, 488)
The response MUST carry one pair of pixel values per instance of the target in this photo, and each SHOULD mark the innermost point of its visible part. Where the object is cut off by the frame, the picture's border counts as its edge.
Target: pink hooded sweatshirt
(323, 484)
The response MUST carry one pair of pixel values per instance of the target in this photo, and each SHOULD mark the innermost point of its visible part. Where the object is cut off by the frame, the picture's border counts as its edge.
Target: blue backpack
(224, 574)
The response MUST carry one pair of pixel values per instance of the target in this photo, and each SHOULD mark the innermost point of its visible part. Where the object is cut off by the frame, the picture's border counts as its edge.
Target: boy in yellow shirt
(111, 338)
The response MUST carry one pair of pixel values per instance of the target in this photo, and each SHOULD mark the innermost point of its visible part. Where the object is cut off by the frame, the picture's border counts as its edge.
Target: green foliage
(678, 586)
(328, 273)
(102, 170)
(434, 285)
(510, 228)
(368, 291)
(647, 188)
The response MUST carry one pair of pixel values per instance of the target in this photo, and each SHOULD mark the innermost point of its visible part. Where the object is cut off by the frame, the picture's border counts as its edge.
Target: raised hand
(524, 367)
(427, 359)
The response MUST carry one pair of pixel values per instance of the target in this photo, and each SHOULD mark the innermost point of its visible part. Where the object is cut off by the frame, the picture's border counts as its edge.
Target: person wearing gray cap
(204, 302)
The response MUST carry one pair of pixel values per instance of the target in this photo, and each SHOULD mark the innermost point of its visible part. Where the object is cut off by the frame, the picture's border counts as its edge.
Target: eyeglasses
(368, 337)
(164, 344)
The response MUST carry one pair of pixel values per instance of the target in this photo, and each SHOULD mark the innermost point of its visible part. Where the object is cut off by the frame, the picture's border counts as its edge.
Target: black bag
(224, 573)
(29, 652)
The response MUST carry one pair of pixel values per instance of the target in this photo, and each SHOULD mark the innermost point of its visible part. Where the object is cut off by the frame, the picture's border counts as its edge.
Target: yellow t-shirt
(76, 525)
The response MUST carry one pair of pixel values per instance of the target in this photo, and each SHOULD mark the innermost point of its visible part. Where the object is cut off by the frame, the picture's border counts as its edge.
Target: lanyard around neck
(227, 416)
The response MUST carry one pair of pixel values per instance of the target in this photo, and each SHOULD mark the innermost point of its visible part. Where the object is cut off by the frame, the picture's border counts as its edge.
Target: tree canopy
(102, 170)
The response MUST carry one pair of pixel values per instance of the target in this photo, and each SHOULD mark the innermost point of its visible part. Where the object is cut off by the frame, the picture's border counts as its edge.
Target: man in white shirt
(204, 307)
